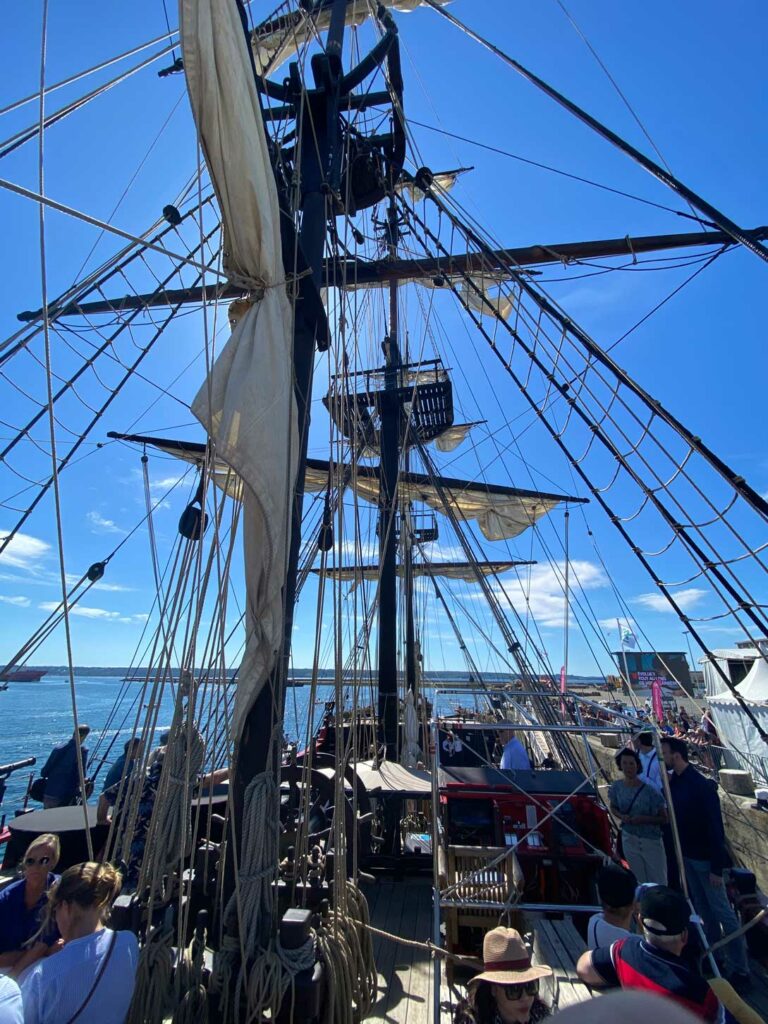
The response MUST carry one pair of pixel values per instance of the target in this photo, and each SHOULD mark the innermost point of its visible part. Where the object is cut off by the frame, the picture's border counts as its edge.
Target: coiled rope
(271, 976)
(153, 979)
(346, 949)
(172, 826)
(191, 993)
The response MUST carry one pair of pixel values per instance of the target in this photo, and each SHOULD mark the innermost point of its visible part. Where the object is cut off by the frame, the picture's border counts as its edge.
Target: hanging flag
(656, 702)
(628, 638)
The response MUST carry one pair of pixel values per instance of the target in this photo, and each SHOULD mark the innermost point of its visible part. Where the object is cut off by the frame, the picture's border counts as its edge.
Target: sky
(691, 73)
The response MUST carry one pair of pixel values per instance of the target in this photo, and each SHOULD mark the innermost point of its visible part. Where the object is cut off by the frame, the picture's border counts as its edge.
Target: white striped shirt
(57, 987)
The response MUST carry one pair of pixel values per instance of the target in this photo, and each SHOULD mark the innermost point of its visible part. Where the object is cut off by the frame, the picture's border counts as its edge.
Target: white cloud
(115, 588)
(101, 525)
(611, 623)
(23, 551)
(544, 596)
(18, 602)
(82, 610)
(366, 550)
(98, 614)
(685, 599)
(165, 483)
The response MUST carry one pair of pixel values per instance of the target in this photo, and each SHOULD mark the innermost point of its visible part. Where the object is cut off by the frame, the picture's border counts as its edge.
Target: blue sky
(693, 75)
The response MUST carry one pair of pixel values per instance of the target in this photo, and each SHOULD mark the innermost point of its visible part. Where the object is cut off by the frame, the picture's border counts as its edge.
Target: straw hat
(506, 960)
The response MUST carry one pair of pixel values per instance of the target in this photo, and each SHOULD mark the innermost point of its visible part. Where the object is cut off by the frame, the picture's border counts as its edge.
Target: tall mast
(390, 400)
(320, 166)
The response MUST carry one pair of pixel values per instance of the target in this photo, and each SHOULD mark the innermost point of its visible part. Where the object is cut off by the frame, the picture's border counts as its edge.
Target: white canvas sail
(247, 403)
(274, 45)
(501, 513)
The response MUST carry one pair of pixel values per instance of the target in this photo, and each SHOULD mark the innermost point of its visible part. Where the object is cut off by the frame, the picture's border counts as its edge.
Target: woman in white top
(91, 979)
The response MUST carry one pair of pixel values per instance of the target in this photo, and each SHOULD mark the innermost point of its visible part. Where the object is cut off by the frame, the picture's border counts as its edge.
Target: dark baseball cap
(616, 886)
(664, 911)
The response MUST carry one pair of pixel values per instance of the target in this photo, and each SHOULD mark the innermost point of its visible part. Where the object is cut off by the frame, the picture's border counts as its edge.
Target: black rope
(724, 223)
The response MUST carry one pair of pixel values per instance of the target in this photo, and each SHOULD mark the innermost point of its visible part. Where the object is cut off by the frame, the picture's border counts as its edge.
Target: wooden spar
(374, 272)
(193, 451)
(423, 568)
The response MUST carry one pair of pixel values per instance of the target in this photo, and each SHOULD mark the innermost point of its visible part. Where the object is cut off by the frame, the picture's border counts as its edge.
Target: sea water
(36, 716)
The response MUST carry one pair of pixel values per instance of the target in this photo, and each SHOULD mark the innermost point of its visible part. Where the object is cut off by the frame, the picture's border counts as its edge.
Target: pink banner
(658, 707)
(563, 686)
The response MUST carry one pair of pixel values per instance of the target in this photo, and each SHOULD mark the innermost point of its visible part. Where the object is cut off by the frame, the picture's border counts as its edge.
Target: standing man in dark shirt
(702, 840)
(61, 773)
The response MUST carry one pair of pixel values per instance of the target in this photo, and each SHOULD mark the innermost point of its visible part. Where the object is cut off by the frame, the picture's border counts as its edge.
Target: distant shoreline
(299, 673)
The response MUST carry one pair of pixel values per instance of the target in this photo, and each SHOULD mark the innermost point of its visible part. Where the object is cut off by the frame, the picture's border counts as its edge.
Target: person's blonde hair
(46, 839)
(88, 885)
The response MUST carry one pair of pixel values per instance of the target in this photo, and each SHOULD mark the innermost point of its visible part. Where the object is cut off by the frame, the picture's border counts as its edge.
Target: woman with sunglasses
(22, 942)
(91, 978)
(507, 991)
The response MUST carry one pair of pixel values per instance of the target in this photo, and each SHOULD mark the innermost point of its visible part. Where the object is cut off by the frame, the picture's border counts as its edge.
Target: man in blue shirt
(131, 754)
(61, 772)
(514, 756)
(699, 821)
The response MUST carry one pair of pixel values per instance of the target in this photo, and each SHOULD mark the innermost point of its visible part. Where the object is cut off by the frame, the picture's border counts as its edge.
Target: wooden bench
(559, 944)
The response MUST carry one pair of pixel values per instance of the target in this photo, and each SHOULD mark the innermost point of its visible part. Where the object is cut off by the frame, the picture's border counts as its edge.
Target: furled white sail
(500, 512)
(466, 571)
(411, 752)
(273, 44)
(452, 437)
(247, 403)
(481, 300)
(442, 180)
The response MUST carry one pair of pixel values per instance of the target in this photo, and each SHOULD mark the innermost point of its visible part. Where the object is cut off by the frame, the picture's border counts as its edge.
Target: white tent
(736, 729)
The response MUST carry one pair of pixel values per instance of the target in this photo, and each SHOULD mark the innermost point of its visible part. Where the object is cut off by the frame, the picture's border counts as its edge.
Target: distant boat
(22, 675)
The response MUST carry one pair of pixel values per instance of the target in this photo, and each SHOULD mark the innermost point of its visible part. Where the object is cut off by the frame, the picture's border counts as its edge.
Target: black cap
(616, 886)
(664, 911)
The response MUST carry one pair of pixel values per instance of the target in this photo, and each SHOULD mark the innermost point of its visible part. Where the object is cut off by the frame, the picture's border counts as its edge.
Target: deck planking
(558, 944)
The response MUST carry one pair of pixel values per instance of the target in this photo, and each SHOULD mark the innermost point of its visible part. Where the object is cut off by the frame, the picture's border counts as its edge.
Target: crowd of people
(639, 801)
(59, 960)
(646, 937)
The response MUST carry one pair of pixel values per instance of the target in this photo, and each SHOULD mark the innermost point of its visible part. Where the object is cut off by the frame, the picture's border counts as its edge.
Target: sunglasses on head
(525, 988)
(30, 862)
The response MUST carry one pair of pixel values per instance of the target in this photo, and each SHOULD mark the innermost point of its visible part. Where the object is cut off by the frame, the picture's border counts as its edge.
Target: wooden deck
(405, 995)
(402, 907)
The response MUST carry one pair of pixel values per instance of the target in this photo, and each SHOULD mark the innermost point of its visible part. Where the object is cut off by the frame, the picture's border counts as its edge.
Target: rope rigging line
(13, 143)
(556, 436)
(111, 396)
(88, 71)
(69, 300)
(720, 219)
(590, 615)
(594, 351)
(52, 426)
(95, 222)
(556, 170)
(681, 530)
